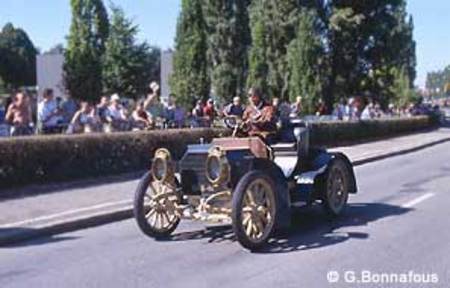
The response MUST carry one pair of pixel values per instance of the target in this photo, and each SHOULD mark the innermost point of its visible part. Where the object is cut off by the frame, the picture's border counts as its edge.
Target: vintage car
(243, 182)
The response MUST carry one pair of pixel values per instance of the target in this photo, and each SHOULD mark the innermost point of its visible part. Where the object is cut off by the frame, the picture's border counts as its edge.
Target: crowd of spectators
(111, 114)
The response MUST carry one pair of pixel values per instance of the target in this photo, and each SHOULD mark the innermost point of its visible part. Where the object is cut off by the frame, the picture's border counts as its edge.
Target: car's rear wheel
(336, 188)
(254, 209)
(155, 207)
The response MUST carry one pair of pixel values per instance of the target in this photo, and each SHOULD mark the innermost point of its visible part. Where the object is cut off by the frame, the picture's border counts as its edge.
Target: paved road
(398, 223)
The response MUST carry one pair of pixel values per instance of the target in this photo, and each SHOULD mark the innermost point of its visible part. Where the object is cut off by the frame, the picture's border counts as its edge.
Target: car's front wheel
(155, 207)
(254, 209)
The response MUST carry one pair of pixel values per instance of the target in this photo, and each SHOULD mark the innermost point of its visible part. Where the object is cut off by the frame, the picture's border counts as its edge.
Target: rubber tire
(139, 213)
(341, 165)
(238, 197)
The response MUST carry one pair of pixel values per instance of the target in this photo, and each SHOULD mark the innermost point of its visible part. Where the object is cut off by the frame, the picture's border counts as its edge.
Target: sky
(47, 23)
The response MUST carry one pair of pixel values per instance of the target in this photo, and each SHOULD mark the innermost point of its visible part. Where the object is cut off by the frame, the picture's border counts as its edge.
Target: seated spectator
(368, 112)
(2, 113)
(68, 109)
(339, 109)
(141, 119)
(198, 115)
(102, 109)
(297, 107)
(49, 114)
(234, 109)
(116, 115)
(19, 115)
(85, 120)
(169, 112)
(209, 113)
(321, 108)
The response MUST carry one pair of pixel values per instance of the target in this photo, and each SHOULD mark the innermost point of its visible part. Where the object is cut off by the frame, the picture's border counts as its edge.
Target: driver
(260, 115)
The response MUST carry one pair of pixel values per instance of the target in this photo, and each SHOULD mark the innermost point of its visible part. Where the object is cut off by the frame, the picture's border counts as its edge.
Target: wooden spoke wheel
(254, 210)
(156, 207)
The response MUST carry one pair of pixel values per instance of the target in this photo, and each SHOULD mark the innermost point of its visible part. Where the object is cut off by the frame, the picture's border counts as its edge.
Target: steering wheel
(237, 125)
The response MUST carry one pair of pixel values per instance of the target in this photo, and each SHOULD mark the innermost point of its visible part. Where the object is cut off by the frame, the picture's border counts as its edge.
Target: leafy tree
(190, 79)
(228, 44)
(367, 40)
(274, 25)
(438, 82)
(56, 50)
(17, 58)
(401, 88)
(127, 64)
(306, 60)
(86, 46)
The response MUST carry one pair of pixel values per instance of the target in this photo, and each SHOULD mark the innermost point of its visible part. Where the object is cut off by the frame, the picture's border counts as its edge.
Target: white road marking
(71, 212)
(418, 200)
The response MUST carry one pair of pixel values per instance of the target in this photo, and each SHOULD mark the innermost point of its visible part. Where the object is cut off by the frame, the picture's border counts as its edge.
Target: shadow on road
(311, 229)
(17, 237)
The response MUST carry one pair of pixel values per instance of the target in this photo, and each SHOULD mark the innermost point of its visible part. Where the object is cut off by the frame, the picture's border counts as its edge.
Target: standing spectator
(141, 119)
(68, 108)
(179, 116)
(169, 112)
(209, 112)
(49, 114)
(19, 115)
(235, 109)
(85, 120)
(152, 104)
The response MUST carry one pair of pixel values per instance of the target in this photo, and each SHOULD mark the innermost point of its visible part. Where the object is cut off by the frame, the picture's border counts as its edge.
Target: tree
(306, 60)
(190, 79)
(228, 44)
(367, 40)
(56, 50)
(86, 46)
(274, 24)
(401, 88)
(17, 58)
(128, 65)
(273, 27)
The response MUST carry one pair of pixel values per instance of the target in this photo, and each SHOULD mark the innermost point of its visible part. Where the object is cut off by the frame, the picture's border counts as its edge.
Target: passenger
(234, 109)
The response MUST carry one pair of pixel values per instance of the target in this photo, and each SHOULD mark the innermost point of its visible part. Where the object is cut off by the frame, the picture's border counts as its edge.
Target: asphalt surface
(399, 223)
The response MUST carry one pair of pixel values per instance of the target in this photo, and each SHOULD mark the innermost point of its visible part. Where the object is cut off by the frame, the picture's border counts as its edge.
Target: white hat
(154, 86)
(115, 97)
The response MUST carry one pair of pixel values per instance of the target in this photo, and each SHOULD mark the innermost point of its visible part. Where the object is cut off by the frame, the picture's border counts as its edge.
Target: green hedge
(58, 158)
(341, 133)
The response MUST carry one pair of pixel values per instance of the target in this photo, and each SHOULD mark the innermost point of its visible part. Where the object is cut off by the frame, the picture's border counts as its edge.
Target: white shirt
(45, 109)
(116, 113)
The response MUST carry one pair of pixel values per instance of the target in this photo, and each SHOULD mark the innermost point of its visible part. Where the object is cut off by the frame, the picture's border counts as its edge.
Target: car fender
(320, 165)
